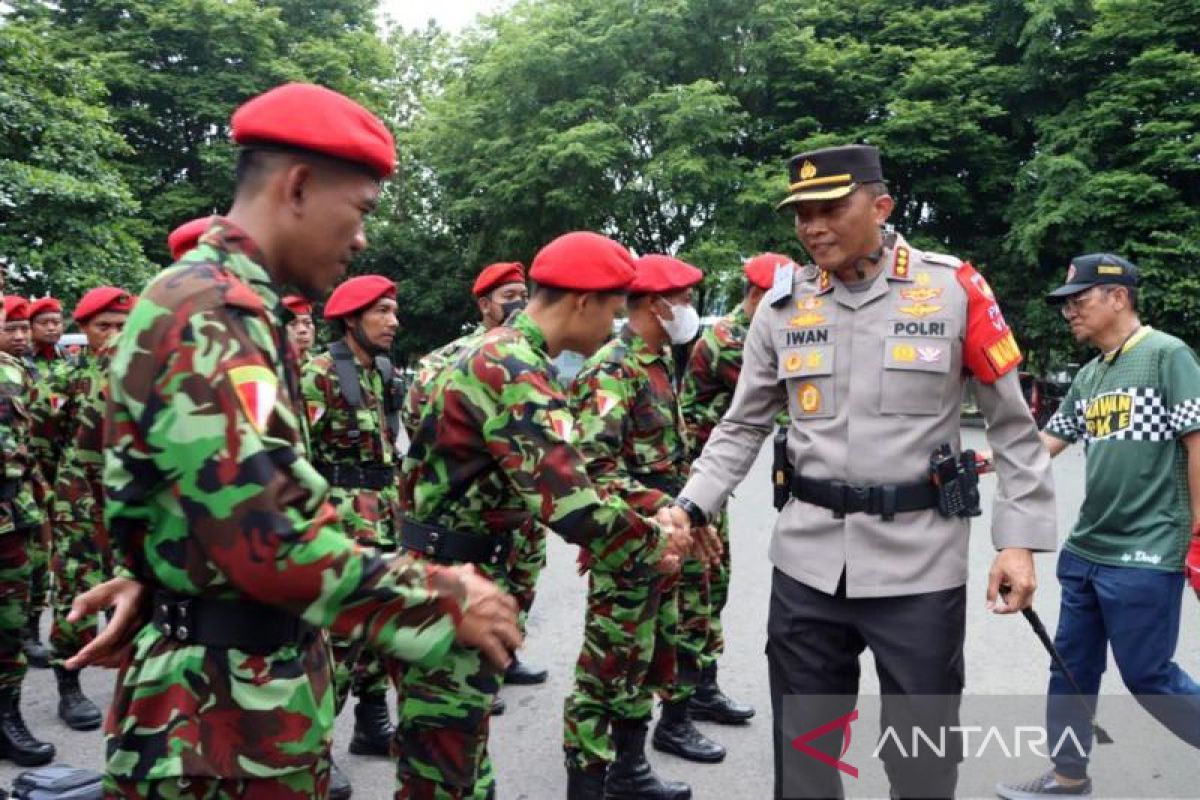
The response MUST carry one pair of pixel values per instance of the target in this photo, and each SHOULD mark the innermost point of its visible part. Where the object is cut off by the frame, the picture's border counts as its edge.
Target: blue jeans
(1137, 612)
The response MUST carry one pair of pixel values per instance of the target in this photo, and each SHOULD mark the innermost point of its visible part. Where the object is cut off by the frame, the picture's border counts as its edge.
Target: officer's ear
(883, 206)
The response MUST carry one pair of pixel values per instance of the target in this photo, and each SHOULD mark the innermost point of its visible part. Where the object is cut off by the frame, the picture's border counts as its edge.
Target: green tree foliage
(176, 70)
(66, 214)
(1015, 133)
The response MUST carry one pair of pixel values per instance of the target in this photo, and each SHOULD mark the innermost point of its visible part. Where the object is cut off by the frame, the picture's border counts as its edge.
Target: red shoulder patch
(989, 349)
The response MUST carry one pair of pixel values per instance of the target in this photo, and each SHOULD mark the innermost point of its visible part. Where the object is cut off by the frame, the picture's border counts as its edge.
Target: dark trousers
(814, 641)
(1136, 611)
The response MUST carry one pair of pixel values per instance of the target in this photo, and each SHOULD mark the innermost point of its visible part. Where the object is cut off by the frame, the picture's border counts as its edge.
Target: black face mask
(510, 308)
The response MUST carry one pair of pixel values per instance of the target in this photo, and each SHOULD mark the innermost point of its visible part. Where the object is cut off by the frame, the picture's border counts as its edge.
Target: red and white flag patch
(257, 388)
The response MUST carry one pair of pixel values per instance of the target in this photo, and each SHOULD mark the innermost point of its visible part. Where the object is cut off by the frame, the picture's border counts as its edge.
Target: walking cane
(1043, 635)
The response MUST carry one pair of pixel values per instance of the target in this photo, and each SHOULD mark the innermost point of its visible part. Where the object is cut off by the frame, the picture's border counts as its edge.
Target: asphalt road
(1003, 657)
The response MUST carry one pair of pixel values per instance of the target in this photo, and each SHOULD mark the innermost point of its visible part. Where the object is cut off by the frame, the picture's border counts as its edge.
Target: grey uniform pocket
(808, 373)
(915, 375)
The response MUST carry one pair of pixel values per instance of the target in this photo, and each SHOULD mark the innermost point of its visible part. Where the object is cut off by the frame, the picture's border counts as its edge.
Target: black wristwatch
(695, 513)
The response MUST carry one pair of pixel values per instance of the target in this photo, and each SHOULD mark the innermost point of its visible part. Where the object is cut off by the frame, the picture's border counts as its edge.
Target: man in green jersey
(1136, 407)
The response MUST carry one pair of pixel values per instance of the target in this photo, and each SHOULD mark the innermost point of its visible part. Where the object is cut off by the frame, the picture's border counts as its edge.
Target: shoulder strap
(393, 394)
(351, 390)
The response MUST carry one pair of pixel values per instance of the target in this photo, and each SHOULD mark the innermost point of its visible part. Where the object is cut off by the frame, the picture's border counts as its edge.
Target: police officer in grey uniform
(870, 350)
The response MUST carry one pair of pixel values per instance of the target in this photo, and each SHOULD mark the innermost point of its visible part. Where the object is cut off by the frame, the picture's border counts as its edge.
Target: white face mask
(684, 327)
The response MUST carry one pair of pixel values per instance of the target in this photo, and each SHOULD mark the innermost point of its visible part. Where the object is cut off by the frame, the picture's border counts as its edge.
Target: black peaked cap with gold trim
(831, 173)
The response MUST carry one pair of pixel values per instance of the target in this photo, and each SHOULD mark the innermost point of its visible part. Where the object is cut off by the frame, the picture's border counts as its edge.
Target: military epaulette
(941, 259)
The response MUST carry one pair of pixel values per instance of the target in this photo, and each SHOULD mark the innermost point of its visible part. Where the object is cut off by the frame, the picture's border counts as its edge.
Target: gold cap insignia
(808, 171)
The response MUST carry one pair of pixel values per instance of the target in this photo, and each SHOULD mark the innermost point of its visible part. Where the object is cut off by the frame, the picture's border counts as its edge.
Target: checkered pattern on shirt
(1149, 418)
(1186, 415)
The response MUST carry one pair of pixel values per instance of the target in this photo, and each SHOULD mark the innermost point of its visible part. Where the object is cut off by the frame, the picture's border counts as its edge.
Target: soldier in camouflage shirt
(302, 332)
(633, 440)
(46, 328)
(82, 558)
(354, 449)
(494, 446)
(708, 384)
(22, 499)
(500, 292)
(214, 505)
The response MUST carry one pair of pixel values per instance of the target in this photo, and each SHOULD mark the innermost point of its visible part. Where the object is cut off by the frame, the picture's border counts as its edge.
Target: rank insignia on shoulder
(900, 268)
(781, 284)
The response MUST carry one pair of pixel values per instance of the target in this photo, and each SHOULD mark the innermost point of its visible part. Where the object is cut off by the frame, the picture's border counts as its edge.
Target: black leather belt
(215, 622)
(444, 544)
(885, 500)
(359, 476)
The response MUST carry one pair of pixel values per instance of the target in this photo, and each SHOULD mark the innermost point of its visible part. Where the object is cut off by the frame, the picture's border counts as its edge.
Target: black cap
(831, 173)
(1094, 270)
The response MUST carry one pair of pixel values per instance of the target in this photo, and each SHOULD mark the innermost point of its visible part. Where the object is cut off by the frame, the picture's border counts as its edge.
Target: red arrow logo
(800, 743)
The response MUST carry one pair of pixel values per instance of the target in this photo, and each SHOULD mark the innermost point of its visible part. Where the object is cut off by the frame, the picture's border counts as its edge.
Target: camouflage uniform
(49, 366)
(530, 540)
(634, 443)
(369, 516)
(21, 502)
(494, 447)
(708, 384)
(211, 497)
(82, 557)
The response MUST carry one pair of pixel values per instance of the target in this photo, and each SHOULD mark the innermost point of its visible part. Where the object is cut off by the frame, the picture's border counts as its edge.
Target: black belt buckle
(853, 498)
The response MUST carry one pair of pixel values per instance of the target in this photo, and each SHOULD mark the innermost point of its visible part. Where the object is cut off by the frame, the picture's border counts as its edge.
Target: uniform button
(182, 633)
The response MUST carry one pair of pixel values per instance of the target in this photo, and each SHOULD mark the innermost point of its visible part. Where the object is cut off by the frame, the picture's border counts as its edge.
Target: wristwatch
(695, 513)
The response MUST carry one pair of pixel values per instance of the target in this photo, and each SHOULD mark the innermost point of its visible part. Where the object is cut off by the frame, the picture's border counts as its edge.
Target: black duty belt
(359, 476)
(9, 489)
(667, 483)
(445, 544)
(885, 500)
(215, 622)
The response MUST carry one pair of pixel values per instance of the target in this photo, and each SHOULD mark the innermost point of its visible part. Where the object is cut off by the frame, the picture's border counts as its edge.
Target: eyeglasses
(1076, 303)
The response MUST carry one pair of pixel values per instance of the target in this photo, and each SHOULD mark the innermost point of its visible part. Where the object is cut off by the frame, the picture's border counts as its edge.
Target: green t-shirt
(1131, 409)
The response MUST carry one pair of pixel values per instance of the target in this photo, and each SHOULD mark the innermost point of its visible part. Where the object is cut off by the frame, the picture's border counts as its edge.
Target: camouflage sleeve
(530, 434)
(25, 508)
(417, 395)
(315, 389)
(706, 378)
(206, 488)
(602, 399)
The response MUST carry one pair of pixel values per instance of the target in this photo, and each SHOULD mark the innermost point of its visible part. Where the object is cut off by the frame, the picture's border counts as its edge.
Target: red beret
(583, 262)
(317, 119)
(495, 275)
(44, 305)
(760, 270)
(358, 293)
(663, 275)
(103, 298)
(297, 305)
(16, 308)
(184, 237)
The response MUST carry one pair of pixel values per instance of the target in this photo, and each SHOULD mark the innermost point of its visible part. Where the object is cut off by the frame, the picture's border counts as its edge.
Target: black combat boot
(675, 734)
(521, 674)
(630, 776)
(74, 708)
(339, 784)
(373, 730)
(36, 653)
(585, 784)
(709, 703)
(17, 744)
